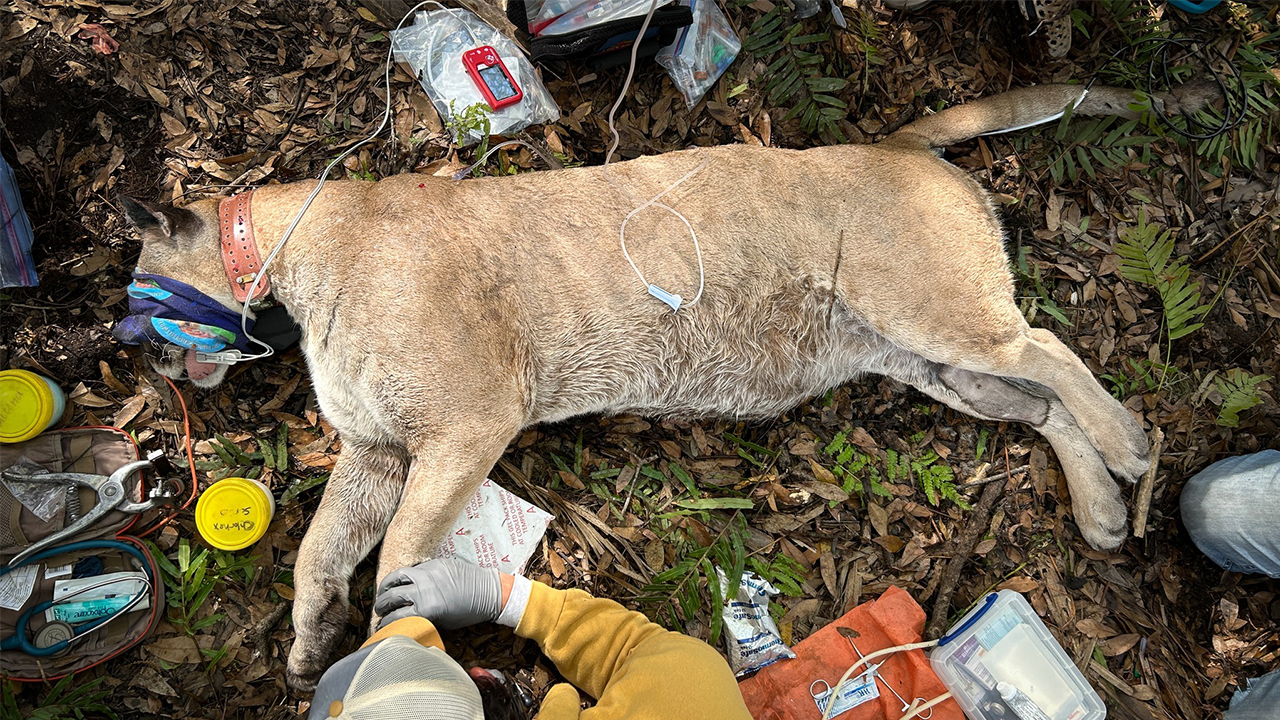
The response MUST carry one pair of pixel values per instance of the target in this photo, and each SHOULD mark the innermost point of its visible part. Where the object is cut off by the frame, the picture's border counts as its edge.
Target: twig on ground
(961, 548)
(1148, 485)
(990, 478)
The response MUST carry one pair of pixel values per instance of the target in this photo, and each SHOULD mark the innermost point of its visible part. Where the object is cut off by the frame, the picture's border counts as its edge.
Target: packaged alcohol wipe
(752, 635)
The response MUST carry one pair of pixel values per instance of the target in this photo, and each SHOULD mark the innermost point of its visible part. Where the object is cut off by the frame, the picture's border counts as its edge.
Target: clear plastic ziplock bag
(45, 500)
(433, 46)
(701, 52)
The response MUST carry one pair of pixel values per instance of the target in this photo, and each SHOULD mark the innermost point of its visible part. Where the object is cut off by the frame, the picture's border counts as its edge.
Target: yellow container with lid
(29, 405)
(234, 513)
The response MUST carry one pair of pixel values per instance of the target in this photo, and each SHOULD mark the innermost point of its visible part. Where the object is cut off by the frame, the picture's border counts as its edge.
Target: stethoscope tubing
(19, 640)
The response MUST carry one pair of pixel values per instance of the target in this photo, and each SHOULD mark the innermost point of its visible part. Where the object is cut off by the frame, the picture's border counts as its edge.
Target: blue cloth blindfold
(164, 310)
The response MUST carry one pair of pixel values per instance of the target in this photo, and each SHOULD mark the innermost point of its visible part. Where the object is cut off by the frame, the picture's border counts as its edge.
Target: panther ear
(166, 219)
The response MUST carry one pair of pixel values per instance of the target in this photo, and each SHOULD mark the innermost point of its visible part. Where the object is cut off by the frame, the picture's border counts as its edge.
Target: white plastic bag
(751, 634)
(433, 46)
(701, 52)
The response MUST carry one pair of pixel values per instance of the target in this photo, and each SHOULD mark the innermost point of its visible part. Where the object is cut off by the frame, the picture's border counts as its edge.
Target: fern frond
(1240, 391)
(1146, 258)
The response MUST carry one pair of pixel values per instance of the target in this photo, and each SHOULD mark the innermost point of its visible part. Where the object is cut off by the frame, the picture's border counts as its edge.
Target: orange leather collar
(239, 250)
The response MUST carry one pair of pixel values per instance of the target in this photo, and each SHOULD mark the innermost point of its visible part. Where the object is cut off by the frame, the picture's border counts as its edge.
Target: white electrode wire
(467, 170)
(386, 116)
(613, 145)
(835, 689)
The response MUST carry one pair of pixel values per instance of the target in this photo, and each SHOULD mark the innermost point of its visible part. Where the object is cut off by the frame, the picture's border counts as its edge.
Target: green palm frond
(1146, 257)
(1240, 391)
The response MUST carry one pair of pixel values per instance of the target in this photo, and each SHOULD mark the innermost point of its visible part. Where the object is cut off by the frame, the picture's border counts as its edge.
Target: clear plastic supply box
(1002, 645)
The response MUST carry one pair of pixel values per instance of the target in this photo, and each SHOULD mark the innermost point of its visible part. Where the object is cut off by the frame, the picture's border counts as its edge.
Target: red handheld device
(492, 77)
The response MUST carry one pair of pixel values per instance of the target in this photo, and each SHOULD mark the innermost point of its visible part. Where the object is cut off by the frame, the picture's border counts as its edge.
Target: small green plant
(272, 454)
(363, 173)
(852, 467)
(1145, 258)
(936, 478)
(62, 702)
(691, 584)
(1240, 391)
(1083, 143)
(1142, 377)
(190, 581)
(1031, 305)
(800, 77)
(754, 453)
(472, 120)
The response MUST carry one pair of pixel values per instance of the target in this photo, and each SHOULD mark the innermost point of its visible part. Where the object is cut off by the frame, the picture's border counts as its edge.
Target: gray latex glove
(450, 593)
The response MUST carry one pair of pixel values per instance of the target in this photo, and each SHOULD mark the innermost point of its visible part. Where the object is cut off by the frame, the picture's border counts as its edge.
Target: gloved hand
(450, 593)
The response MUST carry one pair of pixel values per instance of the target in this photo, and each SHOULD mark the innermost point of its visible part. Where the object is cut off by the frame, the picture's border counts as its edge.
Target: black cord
(1232, 87)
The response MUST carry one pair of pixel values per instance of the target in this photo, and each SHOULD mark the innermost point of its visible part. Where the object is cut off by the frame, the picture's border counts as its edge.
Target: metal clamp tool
(113, 494)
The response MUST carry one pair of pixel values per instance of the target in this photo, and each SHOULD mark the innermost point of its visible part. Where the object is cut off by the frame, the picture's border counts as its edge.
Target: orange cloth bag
(782, 691)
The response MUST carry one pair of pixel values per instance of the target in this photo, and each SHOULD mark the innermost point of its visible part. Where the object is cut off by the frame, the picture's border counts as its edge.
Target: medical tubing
(613, 146)
(916, 710)
(191, 465)
(386, 116)
(835, 689)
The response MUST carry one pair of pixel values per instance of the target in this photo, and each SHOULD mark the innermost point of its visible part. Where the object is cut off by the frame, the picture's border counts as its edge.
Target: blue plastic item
(17, 269)
(1195, 7)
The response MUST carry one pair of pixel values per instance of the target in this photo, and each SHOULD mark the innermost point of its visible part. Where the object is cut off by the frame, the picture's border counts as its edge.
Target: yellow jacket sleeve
(635, 669)
(413, 627)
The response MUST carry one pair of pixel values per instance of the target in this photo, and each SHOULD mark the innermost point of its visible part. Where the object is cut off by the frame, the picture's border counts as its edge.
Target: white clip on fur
(671, 299)
(222, 357)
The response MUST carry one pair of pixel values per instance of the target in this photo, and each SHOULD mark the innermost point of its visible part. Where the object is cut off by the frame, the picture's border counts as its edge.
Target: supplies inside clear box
(701, 52)
(434, 46)
(1001, 662)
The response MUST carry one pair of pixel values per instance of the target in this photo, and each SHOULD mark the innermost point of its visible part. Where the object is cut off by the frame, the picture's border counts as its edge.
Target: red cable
(191, 464)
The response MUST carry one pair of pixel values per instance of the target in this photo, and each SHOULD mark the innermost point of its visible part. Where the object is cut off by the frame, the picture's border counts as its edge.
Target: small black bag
(609, 44)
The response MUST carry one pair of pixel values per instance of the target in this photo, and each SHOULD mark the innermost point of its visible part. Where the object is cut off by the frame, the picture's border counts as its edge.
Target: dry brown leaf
(1094, 629)
(84, 397)
(1022, 584)
(1119, 644)
(860, 437)
(824, 475)
(571, 480)
(879, 518)
(129, 411)
(556, 563)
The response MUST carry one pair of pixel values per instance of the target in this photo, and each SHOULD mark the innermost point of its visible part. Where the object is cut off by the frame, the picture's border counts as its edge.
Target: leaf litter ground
(833, 500)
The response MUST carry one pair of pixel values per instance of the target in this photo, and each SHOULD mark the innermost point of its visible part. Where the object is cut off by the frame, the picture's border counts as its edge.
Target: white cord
(835, 690)
(917, 709)
(613, 145)
(386, 116)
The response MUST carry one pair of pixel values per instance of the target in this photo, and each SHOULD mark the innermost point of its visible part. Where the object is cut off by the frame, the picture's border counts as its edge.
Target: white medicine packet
(16, 586)
(752, 636)
(496, 529)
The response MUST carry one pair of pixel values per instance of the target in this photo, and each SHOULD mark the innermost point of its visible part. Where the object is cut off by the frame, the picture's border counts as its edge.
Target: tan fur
(441, 318)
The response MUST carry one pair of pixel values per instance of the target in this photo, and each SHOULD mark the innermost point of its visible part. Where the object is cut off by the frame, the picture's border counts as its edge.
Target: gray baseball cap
(396, 679)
